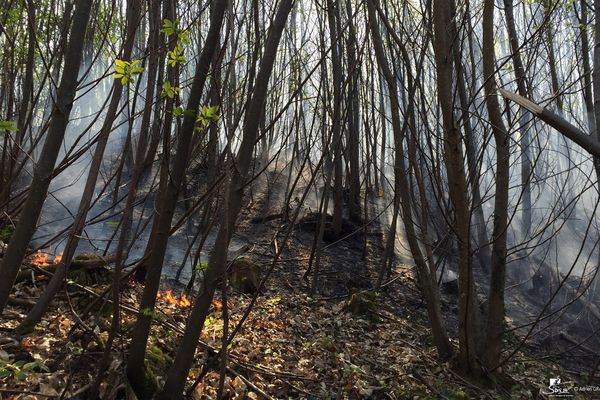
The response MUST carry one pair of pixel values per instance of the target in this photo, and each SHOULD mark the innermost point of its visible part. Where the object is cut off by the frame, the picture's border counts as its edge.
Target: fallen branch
(267, 218)
(83, 261)
(587, 142)
(15, 301)
(429, 386)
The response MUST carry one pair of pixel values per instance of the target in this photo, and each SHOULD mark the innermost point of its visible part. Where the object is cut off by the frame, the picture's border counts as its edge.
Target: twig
(309, 394)
(250, 384)
(15, 391)
(431, 388)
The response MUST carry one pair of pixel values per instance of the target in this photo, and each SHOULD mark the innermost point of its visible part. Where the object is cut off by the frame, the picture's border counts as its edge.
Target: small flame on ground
(168, 297)
(42, 258)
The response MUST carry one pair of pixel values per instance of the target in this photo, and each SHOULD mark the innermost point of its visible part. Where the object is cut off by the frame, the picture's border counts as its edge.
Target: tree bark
(137, 350)
(37, 312)
(495, 311)
(523, 118)
(44, 167)
(336, 128)
(468, 315)
(177, 375)
(427, 282)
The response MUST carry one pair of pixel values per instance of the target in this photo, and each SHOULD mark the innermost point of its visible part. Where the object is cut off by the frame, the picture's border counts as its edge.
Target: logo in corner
(557, 388)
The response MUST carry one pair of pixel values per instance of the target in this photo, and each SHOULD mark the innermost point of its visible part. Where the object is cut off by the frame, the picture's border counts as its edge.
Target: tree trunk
(336, 128)
(468, 315)
(177, 375)
(353, 136)
(523, 118)
(427, 282)
(137, 350)
(495, 311)
(44, 167)
(38, 311)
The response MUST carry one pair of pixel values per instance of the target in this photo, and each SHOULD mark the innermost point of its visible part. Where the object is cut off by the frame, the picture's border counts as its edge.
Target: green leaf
(120, 64)
(178, 112)
(201, 266)
(183, 38)
(125, 70)
(211, 113)
(209, 321)
(8, 126)
(169, 90)
(208, 115)
(169, 27)
(146, 311)
(35, 364)
(20, 375)
(176, 57)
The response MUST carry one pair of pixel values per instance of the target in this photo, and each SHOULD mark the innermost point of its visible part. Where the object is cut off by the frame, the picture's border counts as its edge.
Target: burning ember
(40, 259)
(168, 297)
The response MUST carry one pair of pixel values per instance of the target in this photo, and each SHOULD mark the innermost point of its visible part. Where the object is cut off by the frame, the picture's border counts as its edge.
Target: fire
(168, 297)
(41, 259)
(184, 301)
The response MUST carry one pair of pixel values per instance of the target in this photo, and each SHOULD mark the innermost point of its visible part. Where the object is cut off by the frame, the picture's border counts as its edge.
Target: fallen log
(91, 261)
(267, 218)
(16, 301)
(82, 261)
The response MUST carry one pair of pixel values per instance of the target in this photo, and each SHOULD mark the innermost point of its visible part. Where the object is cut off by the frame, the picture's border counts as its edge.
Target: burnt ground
(292, 345)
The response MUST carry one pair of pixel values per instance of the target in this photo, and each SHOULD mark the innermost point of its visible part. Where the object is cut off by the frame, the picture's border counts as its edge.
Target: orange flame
(168, 297)
(184, 301)
(41, 259)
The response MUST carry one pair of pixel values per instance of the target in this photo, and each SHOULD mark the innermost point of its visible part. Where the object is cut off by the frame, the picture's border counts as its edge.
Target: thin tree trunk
(137, 350)
(44, 167)
(524, 117)
(427, 282)
(38, 311)
(336, 131)
(495, 311)
(468, 319)
(353, 136)
(178, 372)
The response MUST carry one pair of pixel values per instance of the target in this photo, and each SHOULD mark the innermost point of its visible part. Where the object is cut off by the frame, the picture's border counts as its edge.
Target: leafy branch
(126, 70)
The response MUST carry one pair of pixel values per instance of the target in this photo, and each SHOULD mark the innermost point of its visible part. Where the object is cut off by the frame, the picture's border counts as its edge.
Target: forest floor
(293, 346)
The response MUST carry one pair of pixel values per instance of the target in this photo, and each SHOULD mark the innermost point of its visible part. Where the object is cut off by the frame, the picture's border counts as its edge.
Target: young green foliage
(7, 126)
(126, 70)
(170, 27)
(201, 266)
(20, 368)
(207, 115)
(176, 56)
(169, 90)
